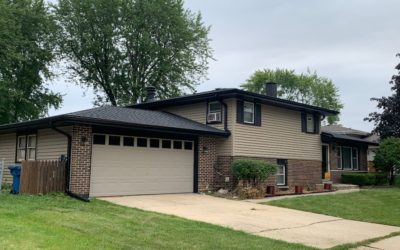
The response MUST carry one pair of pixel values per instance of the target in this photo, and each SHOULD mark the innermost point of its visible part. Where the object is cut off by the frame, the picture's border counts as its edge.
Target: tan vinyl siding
(279, 136)
(51, 144)
(196, 112)
(225, 145)
(7, 153)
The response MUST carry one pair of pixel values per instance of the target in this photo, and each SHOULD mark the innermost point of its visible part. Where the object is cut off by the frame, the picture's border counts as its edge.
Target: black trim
(235, 93)
(225, 117)
(68, 163)
(196, 166)
(331, 137)
(239, 111)
(303, 122)
(65, 120)
(257, 114)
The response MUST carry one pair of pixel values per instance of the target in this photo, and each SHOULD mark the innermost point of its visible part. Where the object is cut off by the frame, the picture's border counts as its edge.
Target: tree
(119, 47)
(387, 122)
(26, 52)
(308, 88)
(387, 157)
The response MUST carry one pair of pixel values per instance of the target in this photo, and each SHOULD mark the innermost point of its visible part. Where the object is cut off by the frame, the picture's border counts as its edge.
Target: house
(177, 145)
(346, 150)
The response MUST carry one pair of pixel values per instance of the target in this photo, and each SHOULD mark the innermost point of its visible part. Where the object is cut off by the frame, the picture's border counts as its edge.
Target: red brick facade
(299, 172)
(81, 156)
(207, 153)
(336, 173)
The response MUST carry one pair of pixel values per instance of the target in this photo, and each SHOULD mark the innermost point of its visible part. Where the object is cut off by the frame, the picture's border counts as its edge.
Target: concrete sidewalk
(273, 222)
(392, 243)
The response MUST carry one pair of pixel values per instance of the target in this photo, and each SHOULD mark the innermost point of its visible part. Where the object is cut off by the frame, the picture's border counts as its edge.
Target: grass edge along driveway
(57, 221)
(377, 205)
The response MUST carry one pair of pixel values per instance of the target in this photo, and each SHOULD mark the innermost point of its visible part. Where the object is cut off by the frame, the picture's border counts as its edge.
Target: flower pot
(328, 186)
(271, 190)
(298, 189)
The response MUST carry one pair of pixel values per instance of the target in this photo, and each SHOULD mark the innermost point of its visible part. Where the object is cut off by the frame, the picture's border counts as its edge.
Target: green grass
(381, 205)
(59, 222)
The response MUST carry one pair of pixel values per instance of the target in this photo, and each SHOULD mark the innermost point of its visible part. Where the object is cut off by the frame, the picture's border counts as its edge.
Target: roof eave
(237, 93)
(328, 138)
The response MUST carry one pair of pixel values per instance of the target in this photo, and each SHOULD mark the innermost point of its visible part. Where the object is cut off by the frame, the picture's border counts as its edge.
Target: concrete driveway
(278, 223)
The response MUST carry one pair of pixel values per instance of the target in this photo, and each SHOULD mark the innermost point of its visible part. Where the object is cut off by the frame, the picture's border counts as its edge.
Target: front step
(340, 186)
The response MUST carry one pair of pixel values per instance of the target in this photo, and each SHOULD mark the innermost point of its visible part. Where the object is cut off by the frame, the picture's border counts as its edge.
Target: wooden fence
(42, 177)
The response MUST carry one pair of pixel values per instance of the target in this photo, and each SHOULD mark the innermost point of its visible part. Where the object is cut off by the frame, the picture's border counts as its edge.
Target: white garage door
(124, 165)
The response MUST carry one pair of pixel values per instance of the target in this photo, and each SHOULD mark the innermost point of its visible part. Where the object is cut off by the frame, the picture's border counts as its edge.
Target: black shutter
(303, 122)
(317, 123)
(257, 114)
(239, 111)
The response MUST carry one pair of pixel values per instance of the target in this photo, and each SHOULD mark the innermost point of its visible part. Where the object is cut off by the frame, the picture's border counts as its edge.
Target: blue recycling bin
(15, 171)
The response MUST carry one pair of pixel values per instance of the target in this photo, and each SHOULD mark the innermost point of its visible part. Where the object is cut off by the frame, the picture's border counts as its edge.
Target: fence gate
(42, 177)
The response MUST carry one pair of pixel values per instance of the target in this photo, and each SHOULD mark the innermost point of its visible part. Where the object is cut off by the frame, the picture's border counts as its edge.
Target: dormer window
(214, 112)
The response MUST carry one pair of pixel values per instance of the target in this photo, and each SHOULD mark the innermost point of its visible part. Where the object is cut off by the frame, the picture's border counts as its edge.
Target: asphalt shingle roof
(143, 117)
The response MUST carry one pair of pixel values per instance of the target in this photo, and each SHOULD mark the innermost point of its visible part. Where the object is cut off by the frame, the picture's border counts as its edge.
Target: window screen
(142, 142)
(129, 141)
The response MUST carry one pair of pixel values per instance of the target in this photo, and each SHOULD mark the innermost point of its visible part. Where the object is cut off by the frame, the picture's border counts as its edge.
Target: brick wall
(304, 172)
(336, 174)
(81, 154)
(300, 172)
(207, 153)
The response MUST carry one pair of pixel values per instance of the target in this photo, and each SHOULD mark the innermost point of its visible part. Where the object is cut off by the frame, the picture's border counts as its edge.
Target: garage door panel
(118, 170)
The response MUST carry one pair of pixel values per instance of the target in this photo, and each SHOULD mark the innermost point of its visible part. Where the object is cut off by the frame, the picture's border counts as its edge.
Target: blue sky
(354, 43)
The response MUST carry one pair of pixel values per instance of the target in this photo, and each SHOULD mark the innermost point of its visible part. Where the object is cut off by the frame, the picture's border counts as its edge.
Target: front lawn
(380, 205)
(59, 222)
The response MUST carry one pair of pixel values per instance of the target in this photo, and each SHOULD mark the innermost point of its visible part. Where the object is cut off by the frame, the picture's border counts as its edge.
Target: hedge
(365, 179)
(252, 170)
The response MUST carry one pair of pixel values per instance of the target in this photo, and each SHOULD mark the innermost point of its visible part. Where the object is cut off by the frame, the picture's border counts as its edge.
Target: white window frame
(219, 111)
(353, 158)
(20, 147)
(339, 157)
(31, 147)
(244, 111)
(310, 117)
(283, 174)
(26, 148)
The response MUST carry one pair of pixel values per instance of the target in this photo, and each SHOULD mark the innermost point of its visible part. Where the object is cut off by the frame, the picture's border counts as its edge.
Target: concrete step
(340, 186)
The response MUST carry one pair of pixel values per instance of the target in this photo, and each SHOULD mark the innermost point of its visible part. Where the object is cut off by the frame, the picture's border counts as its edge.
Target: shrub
(365, 179)
(252, 171)
(381, 179)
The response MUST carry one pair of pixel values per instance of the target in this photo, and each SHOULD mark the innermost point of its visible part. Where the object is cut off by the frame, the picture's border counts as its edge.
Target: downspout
(68, 165)
(225, 116)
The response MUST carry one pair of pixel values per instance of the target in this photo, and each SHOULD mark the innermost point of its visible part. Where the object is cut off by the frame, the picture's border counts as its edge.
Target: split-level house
(177, 145)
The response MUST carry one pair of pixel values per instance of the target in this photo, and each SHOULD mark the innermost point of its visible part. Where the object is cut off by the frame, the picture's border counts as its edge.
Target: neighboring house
(345, 150)
(178, 145)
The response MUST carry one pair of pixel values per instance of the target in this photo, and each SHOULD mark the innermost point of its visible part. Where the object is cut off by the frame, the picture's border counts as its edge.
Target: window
(281, 175)
(114, 140)
(346, 158)
(214, 112)
(248, 112)
(99, 139)
(142, 142)
(154, 143)
(188, 145)
(31, 147)
(339, 157)
(129, 141)
(26, 147)
(354, 154)
(21, 148)
(166, 144)
(177, 144)
(310, 123)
